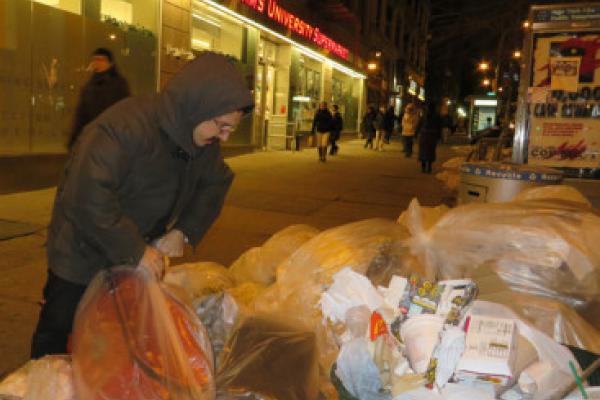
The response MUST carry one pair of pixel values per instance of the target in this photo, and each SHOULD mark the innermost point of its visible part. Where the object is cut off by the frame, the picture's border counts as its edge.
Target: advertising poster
(564, 73)
(565, 101)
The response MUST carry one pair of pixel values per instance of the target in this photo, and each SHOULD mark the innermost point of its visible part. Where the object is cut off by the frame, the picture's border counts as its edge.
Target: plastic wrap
(270, 356)
(258, 264)
(49, 377)
(545, 247)
(133, 340)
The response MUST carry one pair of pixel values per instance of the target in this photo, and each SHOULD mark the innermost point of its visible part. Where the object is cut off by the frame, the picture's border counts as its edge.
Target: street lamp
(372, 66)
(484, 66)
(378, 54)
(526, 24)
(485, 82)
(517, 54)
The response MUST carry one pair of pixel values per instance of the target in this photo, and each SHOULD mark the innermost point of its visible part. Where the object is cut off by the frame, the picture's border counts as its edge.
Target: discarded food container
(420, 334)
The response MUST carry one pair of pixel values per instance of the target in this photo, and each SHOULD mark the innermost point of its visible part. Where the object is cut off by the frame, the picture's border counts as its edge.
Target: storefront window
(345, 92)
(305, 89)
(214, 31)
(44, 68)
(72, 6)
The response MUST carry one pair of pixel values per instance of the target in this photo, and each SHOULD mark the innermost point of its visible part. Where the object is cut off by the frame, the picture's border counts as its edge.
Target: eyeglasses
(223, 126)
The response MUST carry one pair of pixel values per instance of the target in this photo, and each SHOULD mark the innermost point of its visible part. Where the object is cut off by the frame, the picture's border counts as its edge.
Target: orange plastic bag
(133, 340)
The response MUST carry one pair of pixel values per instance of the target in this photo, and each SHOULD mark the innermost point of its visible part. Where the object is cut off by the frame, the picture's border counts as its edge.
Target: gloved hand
(154, 262)
(171, 244)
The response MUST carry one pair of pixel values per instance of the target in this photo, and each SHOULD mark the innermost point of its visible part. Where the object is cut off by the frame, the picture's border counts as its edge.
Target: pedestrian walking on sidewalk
(337, 124)
(389, 119)
(379, 129)
(410, 121)
(368, 126)
(146, 177)
(321, 127)
(105, 88)
(429, 132)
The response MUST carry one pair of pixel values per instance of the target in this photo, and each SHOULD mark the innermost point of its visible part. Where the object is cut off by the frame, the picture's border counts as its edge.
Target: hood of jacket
(205, 88)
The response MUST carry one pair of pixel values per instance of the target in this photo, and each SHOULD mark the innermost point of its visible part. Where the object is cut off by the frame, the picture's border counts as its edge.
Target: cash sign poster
(565, 124)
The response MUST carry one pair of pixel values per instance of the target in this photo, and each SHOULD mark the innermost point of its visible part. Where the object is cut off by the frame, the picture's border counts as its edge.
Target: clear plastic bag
(199, 279)
(270, 356)
(258, 264)
(546, 247)
(550, 316)
(49, 377)
(450, 174)
(556, 192)
(133, 340)
(371, 247)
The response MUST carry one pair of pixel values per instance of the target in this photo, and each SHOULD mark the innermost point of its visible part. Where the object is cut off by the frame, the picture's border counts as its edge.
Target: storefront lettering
(298, 25)
(258, 5)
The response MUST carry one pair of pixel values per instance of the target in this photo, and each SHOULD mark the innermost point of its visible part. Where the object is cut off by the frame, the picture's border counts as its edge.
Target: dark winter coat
(388, 120)
(429, 132)
(337, 124)
(368, 123)
(379, 121)
(102, 91)
(136, 173)
(322, 121)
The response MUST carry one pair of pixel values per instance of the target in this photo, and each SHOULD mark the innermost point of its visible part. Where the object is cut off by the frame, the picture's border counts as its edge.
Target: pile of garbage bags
(375, 309)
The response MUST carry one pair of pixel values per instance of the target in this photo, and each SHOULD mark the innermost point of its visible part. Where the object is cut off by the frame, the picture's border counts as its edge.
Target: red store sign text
(296, 24)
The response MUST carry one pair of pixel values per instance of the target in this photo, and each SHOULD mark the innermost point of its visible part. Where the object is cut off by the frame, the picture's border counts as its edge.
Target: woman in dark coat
(429, 132)
(368, 126)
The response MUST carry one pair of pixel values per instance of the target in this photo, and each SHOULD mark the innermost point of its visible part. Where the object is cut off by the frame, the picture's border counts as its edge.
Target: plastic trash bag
(133, 340)
(258, 264)
(200, 279)
(270, 356)
(371, 247)
(544, 247)
(556, 192)
(49, 377)
(357, 371)
(552, 317)
(450, 174)
(218, 313)
(429, 216)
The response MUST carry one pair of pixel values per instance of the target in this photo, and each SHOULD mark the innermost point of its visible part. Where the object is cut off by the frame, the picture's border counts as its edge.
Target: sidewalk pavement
(272, 190)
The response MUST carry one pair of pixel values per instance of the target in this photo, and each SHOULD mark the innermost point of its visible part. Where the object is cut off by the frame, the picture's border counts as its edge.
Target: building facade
(294, 54)
(45, 49)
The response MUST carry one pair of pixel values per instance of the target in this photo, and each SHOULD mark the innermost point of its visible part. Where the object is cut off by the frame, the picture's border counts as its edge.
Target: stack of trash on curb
(477, 302)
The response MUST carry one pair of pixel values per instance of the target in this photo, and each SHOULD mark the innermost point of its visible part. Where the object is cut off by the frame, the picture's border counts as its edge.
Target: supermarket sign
(296, 24)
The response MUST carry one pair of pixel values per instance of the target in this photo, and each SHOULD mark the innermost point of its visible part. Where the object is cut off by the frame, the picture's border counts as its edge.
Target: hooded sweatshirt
(136, 172)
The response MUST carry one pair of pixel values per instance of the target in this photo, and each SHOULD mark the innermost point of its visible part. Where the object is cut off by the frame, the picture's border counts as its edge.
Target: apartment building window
(389, 21)
(362, 10)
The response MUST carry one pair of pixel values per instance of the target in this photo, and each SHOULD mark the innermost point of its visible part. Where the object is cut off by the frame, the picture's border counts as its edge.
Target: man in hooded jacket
(146, 171)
